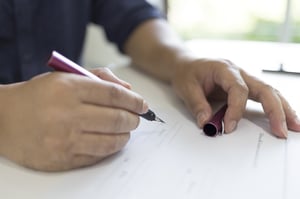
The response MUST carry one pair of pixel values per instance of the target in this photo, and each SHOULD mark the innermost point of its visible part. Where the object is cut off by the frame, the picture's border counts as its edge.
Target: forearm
(6, 101)
(155, 48)
(2, 115)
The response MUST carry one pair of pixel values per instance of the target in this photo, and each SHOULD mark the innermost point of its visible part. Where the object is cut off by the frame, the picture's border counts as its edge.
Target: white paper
(174, 160)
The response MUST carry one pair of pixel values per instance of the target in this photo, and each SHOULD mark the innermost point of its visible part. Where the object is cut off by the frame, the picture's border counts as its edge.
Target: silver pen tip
(159, 120)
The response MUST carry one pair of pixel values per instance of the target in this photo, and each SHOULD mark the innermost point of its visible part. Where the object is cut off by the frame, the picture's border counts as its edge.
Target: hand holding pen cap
(215, 126)
(61, 63)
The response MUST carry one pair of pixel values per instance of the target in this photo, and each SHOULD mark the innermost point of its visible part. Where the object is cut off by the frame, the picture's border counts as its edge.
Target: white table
(176, 160)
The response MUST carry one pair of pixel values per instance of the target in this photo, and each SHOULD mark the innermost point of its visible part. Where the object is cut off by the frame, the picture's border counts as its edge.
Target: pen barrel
(215, 126)
(63, 64)
(60, 63)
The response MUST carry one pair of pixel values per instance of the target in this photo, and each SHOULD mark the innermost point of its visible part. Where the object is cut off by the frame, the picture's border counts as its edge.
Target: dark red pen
(215, 126)
(61, 63)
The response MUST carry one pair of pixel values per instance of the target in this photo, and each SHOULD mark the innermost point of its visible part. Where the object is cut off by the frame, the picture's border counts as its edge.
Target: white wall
(98, 51)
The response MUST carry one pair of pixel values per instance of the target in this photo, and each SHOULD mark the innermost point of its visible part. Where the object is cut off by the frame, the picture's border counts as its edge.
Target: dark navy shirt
(31, 29)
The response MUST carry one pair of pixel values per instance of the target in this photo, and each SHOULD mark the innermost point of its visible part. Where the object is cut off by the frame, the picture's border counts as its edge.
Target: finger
(195, 100)
(108, 75)
(107, 120)
(292, 119)
(100, 145)
(110, 94)
(74, 162)
(274, 110)
(271, 103)
(231, 81)
(84, 160)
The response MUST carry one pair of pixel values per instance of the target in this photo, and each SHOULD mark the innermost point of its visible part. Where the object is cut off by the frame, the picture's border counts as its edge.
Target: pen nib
(150, 115)
(159, 120)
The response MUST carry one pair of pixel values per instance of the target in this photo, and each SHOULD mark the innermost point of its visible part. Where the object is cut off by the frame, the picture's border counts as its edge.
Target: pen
(281, 70)
(215, 126)
(61, 63)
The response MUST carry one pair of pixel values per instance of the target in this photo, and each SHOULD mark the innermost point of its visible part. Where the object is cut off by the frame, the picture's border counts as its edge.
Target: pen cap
(216, 125)
(60, 63)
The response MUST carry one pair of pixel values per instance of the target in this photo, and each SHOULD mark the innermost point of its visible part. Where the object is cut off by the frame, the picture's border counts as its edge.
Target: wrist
(181, 62)
(7, 101)
(3, 102)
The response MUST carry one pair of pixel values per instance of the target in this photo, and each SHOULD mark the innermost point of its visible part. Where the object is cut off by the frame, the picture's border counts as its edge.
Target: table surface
(177, 160)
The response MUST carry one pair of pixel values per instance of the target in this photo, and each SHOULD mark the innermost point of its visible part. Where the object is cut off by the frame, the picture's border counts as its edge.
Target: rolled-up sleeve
(119, 18)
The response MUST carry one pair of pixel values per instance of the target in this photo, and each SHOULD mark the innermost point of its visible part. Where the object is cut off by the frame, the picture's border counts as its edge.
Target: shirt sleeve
(119, 18)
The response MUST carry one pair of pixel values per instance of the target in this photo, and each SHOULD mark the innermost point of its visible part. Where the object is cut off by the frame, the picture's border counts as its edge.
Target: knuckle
(266, 88)
(227, 61)
(101, 71)
(124, 120)
(61, 85)
(241, 88)
(244, 90)
(105, 70)
(270, 112)
(138, 104)
(120, 118)
(227, 66)
(113, 143)
(118, 142)
(222, 63)
(115, 92)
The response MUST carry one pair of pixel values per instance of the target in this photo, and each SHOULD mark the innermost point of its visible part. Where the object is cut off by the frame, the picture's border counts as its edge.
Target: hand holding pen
(61, 63)
(69, 121)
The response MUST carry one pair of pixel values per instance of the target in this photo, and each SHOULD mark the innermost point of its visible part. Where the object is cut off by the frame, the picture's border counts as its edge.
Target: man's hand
(197, 80)
(59, 121)
(194, 79)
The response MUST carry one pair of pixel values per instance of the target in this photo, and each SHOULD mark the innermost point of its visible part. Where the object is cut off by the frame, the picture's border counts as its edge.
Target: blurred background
(262, 20)
(249, 20)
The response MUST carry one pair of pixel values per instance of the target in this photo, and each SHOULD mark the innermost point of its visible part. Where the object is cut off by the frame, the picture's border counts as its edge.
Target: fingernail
(126, 84)
(145, 107)
(297, 121)
(202, 118)
(284, 129)
(231, 126)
